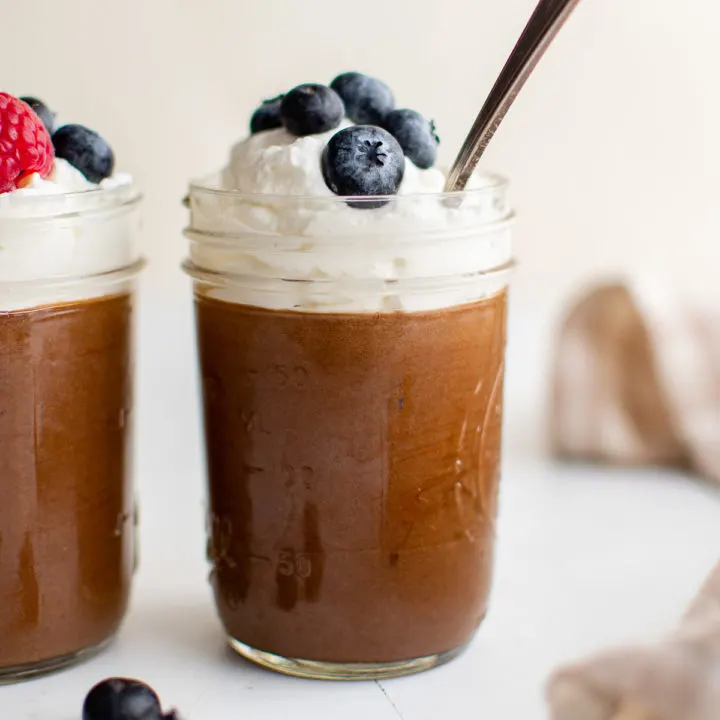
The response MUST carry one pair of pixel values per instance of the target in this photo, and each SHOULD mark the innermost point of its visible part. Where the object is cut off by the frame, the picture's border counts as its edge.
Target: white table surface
(586, 557)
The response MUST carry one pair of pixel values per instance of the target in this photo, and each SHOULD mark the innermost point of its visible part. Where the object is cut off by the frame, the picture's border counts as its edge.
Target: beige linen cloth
(677, 678)
(636, 381)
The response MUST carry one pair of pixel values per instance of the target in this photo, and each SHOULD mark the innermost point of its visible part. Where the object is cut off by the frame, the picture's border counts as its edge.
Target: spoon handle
(544, 24)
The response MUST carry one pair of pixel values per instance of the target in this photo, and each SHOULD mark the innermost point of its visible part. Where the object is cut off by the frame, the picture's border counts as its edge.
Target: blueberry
(416, 136)
(42, 111)
(363, 160)
(85, 150)
(267, 116)
(367, 100)
(121, 699)
(310, 109)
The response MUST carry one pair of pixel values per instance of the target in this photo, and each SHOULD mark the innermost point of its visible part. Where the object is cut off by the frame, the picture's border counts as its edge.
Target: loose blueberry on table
(124, 699)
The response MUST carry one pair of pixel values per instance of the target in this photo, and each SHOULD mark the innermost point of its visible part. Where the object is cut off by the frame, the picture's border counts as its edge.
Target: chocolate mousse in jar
(68, 265)
(351, 323)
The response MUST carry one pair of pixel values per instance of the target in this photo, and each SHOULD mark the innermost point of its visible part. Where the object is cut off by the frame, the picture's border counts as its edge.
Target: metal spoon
(544, 24)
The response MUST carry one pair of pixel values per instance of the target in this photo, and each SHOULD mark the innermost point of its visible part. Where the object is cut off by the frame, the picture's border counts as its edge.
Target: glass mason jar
(68, 265)
(352, 358)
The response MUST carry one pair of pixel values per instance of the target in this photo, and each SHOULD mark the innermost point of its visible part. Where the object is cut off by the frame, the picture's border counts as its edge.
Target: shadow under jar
(352, 373)
(67, 273)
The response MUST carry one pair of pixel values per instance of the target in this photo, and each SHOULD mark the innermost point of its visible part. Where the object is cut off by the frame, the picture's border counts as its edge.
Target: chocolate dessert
(66, 516)
(67, 268)
(351, 332)
(353, 465)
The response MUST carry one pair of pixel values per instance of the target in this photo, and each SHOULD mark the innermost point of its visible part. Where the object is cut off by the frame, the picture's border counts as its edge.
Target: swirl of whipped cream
(59, 233)
(273, 235)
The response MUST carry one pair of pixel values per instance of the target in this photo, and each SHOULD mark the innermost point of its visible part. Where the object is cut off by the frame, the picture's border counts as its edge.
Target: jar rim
(217, 277)
(210, 186)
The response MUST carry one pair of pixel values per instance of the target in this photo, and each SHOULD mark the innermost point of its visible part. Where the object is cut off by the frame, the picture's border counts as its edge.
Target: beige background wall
(613, 148)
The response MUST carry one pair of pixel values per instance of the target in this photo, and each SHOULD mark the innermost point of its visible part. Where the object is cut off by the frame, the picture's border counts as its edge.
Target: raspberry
(25, 145)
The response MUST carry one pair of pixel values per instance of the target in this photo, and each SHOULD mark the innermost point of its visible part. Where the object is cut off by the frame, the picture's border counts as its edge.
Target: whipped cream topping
(58, 234)
(267, 231)
(277, 163)
(64, 178)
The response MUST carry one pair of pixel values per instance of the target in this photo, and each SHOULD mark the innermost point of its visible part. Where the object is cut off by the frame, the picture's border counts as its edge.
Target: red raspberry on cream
(25, 145)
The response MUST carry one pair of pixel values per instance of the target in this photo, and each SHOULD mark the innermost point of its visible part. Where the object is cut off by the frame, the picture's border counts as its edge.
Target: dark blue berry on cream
(42, 111)
(85, 150)
(367, 100)
(416, 136)
(363, 160)
(310, 109)
(267, 116)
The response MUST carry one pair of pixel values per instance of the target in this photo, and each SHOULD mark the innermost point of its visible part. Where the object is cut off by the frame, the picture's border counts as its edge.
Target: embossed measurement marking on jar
(291, 563)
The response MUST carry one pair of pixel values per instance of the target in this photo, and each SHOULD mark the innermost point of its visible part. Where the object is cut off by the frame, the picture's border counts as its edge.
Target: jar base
(18, 673)
(319, 670)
